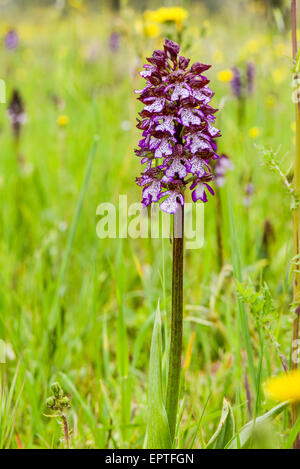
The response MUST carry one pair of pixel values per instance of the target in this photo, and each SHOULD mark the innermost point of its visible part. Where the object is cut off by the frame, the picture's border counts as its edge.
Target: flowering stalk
(176, 321)
(16, 114)
(296, 290)
(242, 85)
(177, 148)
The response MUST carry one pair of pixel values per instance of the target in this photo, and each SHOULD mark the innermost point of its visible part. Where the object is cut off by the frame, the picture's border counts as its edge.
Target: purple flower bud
(16, 113)
(198, 68)
(236, 83)
(183, 62)
(114, 42)
(250, 189)
(171, 49)
(251, 77)
(11, 40)
(178, 130)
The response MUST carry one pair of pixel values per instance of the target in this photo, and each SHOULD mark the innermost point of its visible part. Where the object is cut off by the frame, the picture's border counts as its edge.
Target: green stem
(296, 293)
(219, 228)
(176, 322)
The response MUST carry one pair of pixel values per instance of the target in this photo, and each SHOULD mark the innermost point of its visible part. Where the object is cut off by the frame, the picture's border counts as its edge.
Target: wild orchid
(178, 130)
(177, 148)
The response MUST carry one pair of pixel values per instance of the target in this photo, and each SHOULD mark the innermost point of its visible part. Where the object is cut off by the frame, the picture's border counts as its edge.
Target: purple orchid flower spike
(11, 40)
(177, 125)
(236, 83)
(114, 42)
(251, 77)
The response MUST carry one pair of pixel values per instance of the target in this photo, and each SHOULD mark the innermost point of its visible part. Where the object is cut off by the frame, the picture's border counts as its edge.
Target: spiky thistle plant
(59, 402)
(177, 149)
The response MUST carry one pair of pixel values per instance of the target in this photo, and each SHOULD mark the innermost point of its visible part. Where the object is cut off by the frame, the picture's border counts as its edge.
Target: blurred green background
(80, 310)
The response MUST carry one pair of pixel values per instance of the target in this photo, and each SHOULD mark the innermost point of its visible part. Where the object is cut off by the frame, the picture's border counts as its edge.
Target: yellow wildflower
(281, 49)
(293, 126)
(284, 387)
(279, 75)
(270, 101)
(254, 132)
(151, 29)
(62, 121)
(167, 14)
(253, 46)
(225, 75)
(76, 3)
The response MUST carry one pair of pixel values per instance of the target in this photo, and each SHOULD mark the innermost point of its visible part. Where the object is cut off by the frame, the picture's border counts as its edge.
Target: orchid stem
(176, 321)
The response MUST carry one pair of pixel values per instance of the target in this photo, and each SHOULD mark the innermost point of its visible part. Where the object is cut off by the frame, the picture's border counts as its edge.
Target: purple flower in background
(236, 83)
(114, 42)
(250, 77)
(249, 192)
(11, 40)
(223, 164)
(242, 83)
(177, 125)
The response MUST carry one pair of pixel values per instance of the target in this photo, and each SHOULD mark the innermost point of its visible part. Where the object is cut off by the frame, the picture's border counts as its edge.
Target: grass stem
(296, 286)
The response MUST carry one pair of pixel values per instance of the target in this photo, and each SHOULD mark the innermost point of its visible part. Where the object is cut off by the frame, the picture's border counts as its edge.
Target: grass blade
(158, 431)
(245, 434)
(236, 263)
(225, 430)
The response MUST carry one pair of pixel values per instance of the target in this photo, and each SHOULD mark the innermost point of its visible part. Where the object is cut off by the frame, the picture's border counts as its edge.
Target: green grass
(80, 310)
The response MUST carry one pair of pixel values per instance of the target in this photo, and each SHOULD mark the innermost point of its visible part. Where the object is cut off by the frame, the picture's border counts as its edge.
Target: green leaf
(243, 437)
(293, 435)
(158, 431)
(225, 430)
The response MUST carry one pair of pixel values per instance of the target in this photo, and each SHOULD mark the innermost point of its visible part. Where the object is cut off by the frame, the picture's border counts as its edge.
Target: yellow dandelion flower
(270, 101)
(225, 76)
(253, 46)
(284, 387)
(254, 132)
(62, 121)
(279, 75)
(76, 3)
(281, 49)
(167, 14)
(151, 29)
(293, 126)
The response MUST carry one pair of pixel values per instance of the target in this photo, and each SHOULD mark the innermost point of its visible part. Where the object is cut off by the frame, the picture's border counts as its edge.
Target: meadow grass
(80, 310)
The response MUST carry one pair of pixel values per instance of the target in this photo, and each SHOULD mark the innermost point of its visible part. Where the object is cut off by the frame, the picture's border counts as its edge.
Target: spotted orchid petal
(172, 202)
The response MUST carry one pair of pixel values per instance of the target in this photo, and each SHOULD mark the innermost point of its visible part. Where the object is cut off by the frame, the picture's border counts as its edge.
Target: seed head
(57, 390)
